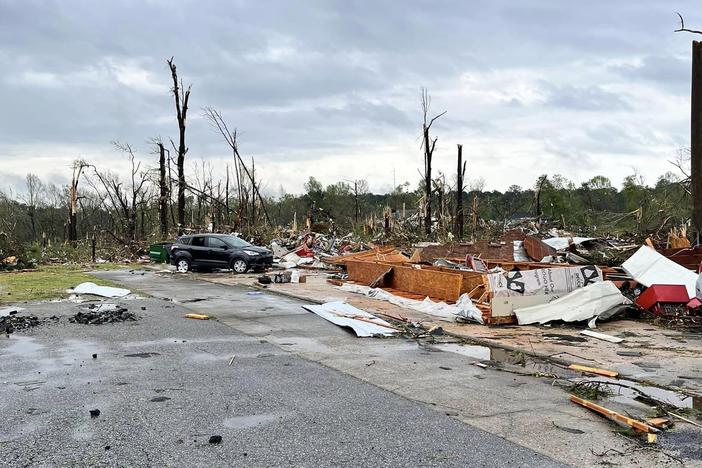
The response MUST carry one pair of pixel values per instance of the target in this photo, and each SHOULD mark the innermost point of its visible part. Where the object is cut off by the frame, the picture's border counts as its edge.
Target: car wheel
(239, 265)
(183, 265)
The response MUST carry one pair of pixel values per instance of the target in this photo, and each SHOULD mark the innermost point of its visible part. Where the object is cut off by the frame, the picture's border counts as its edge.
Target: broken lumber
(614, 416)
(593, 370)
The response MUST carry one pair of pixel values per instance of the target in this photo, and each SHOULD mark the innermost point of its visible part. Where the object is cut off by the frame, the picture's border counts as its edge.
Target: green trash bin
(158, 253)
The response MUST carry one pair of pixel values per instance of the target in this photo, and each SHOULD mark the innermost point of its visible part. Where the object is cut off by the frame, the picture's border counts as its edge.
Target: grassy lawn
(50, 282)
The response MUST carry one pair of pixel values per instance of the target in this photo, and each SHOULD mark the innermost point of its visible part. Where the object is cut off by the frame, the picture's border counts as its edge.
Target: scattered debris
(215, 439)
(602, 336)
(96, 315)
(581, 304)
(231, 361)
(94, 413)
(613, 415)
(197, 316)
(345, 315)
(593, 370)
(95, 290)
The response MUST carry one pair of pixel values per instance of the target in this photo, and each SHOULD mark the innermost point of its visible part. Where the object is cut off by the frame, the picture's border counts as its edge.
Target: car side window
(215, 243)
(198, 242)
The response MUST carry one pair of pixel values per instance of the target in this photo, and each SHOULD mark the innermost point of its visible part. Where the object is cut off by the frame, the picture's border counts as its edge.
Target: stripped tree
(181, 97)
(240, 168)
(460, 176)
(428, 145)
(78, 167)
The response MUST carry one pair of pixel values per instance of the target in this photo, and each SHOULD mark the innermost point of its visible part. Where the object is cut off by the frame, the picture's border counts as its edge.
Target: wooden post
(696, 139)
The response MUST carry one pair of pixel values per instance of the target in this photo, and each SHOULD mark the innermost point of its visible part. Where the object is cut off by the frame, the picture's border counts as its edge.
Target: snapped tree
(428, 145)
(181, 96)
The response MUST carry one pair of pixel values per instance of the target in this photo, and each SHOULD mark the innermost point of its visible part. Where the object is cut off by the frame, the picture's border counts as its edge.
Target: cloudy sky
(332, 88)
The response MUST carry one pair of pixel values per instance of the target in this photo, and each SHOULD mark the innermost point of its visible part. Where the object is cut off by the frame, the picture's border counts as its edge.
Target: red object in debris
(658, 294)
(303, 251)
(694, 303)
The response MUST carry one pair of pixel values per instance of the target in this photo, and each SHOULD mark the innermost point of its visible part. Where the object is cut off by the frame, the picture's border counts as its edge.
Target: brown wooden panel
(537, 249)
(436, 284)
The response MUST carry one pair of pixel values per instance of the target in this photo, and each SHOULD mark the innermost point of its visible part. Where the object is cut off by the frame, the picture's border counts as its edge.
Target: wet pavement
(299, 391)
(164, 385)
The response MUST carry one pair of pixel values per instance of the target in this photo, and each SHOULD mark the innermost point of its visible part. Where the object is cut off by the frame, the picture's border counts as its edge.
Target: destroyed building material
(614, 416)
(362, 323)
(461, 310)
(594, 370)
(657, 295)
(648, 267)
(385, 254)
(689, 257)
(578, 305)
(95, 290)
(602, 336)
(538, 249)
(425, 282)
(562, 243)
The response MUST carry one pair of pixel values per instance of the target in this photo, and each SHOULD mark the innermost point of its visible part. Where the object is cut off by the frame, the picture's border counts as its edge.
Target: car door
(198, 249)
(218, 252)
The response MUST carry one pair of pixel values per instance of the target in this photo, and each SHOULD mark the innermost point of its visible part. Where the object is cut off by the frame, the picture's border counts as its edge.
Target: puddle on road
(254, 420)
(23, 345)
(633, 397)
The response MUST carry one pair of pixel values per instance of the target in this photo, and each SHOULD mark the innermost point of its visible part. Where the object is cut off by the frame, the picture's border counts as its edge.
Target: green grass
(50, 282)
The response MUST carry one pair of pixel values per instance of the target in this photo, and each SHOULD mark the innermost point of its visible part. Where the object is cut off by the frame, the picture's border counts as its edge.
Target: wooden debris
(197, 316)
(614, 416)
(593, 370)
(660, 423)
(382, 280)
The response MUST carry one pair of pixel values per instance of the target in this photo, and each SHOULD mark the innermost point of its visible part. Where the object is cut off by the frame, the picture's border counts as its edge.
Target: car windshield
(235, 241)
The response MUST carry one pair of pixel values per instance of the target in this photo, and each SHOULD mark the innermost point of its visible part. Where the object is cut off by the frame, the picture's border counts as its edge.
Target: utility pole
(696, 139)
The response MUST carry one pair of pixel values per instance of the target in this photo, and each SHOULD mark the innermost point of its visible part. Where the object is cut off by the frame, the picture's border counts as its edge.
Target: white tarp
(560, 243)
(649, 267)
(542, 281)
(345, 315)
(463, 308)
(581, 304)
(104, 291)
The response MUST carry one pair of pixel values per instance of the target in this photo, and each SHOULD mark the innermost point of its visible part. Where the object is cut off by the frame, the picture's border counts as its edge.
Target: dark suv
(208, 251)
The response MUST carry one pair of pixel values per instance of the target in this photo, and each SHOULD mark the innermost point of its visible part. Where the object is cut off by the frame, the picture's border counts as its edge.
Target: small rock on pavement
(216, 439)
(94, 413)
(94, 356)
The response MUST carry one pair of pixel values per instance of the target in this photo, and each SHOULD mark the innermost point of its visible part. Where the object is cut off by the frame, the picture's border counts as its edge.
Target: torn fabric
(463, 309)
(581, 304)
(346, 315)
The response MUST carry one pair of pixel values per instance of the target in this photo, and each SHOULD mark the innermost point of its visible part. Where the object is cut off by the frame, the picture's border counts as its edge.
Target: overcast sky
(332, 88)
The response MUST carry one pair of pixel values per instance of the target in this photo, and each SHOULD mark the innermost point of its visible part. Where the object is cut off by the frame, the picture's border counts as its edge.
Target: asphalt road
(164, 386)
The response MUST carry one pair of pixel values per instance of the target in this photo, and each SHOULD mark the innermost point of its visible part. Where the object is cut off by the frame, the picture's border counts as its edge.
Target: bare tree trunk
(696, 138)
(163, 191)
(460, 174)
(181, 98)
(78, 167)
(429, 146)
